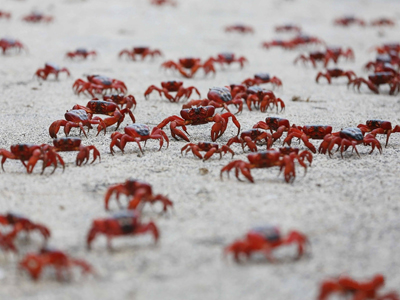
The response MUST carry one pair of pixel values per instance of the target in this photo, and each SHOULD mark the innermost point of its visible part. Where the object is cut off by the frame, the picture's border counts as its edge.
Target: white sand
(349, 208)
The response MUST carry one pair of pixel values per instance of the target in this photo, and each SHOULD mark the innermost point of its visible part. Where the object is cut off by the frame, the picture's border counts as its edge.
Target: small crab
(5, 15)
(278, 125)
(7, 240)
(348, 20)
(189, 66)
(219, 97)
(9, 44)
(107, 108)
(67, 144)
(81, 53)
(315, 132)
(351, 136)
(379, 127)
(375, 80)
(278, 43)
(24, 224)
(283, 158)
(261, 99)
(387, 48)
(304, 39)
(261, 78)
(36, 17)
(227, 58)
(75, 118)
(353, 289)
(199, 116)
(123, 223)
(137, 133)
(163, 2)
(331, 53)
(172, 86)
(34, 263)
(240, 28)
(99, 84)
(288, 28)
(250, 137)
(384, 63)
(335, 73)
(139, 51)
(121, 100)
(50, 68)
(32, 154)
(382, 22)
(139, 192)
(265, 239)
(210, 148)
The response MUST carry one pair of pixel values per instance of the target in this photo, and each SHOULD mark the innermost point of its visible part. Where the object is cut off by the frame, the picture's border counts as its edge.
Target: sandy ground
(349, 208)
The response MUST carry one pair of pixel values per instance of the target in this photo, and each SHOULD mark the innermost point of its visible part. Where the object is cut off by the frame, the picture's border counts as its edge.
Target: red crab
(335, 73)
(383, 22)
(139, 192)
(240, 28)
(36, 17)
(283, 158)
(353, 289)
(81, 53)
(261, 78)
(31, 154)
(24, 224)
(379, 127)
(107, 108)
(50, 68)
(7, 240)
(227, 58)
(384, 63)
(387, 48)
(121, 100)
(250, 137)
(278, 125)
(348, 20)
(278, 43)
(74, 118)
(218, 97)
(122, 223)
(188, 66)
(265, 239)
(347, 137)
(303, 39)
(315, 132)
(237, 89)
(210, 148)
(75, 144)
(137, 133)
(288, 28)
(375, 80)
(34, 263)
(163, 2)
(141, 52)
(9, 43)
(172, 86)
(4, 14)
(199, 116)
(332, 53)
(99, 84)
(261, 99)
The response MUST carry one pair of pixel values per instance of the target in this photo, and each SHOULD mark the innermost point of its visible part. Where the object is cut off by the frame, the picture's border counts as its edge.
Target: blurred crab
(199, 116)
(9, 43)
(348, 20)
(99, 84)
(288, 28)
(141, 52)
(375, 80)
(227, 58)
(210, 148)
(139, 192)
(34, 263)
(5, 15)
(379, 127)
(121, 100)
(331, 53)
(172, 86)
(189, 66)
(36, 17)
(67, 144)
(335, 73)
(7, 240)
(265, 239)
(383, 22)
(261, 78)
(240, 28)
(123, 223)
(137, 133)
(163, 2)
(283, 158)
(50, 68)
(81, 53)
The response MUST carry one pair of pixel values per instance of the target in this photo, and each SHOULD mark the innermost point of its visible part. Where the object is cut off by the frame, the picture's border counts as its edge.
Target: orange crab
(172, 86)
(189, 66)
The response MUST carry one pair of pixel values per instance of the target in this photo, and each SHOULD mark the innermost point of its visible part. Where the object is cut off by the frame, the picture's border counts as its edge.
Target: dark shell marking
(352, 133)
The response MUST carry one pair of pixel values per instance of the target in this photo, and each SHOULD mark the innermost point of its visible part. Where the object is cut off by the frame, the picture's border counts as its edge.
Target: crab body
(315, 132)
(189, 66)
(278, 125)
(37, 17)
(265, 239)
(50, 68)
(261, 99)
(349, 20)
(335, 73)
(250, 137)
(9, 44)
(198, 116)
(240, 28)
(168, 87)
(379, 127)
(375, 80)
(99, 84)
(81, 53)
(228, 58)
(210, 148)
(137, 133)
(67, 144)
(24, 224)
(139, 192)
(120, 224)
(141, 52)
(261, 78)
(121, 100)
